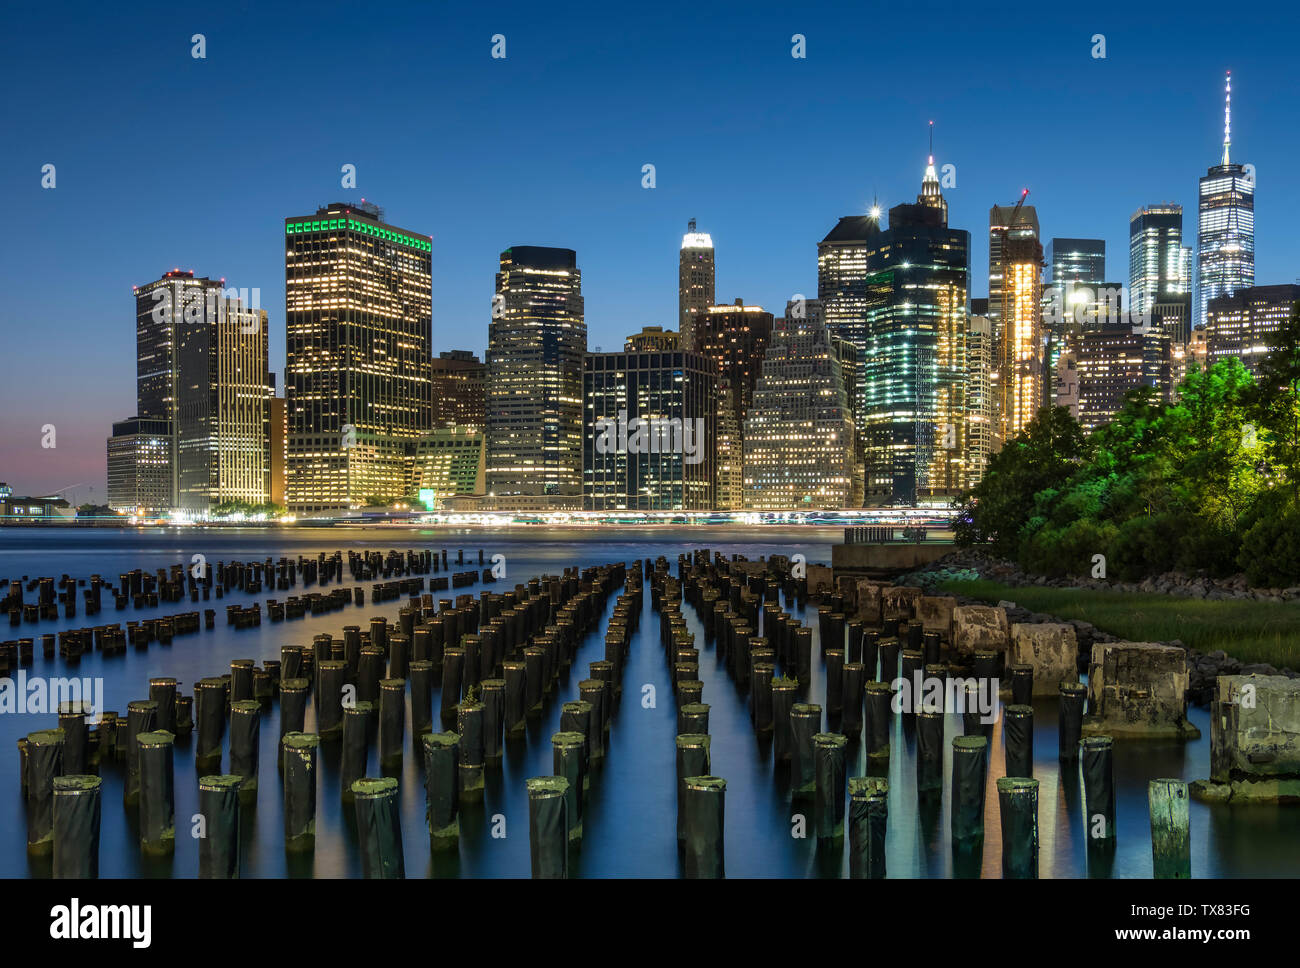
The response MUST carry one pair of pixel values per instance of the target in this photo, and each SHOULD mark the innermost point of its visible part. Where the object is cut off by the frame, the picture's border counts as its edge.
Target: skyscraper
(1244, 324)
(1015, 280)
(735, 338)
(695, 281)
(649, 434)
(459, 390)
(1001, 228)
(140, 465)
(914, 365)
(359, 318)
(1110, 362)
(201, 367)
(1225, 243)
(1160, 269)
(798, 430)
(223, 412)
(842, 287)
(536, 343)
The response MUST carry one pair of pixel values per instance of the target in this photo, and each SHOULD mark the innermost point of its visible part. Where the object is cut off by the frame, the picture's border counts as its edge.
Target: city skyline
(766, 250)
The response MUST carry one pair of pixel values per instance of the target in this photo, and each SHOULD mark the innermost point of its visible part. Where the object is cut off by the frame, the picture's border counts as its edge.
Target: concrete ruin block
(899, 601)
(821, 580)
(935, 613)
(1053, 651)
(1138, 689)
(866, 606)
(979, 627)
(1255, 729)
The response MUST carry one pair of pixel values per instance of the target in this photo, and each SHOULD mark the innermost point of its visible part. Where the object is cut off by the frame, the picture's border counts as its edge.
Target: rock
(1255, 727)
(899, 602)
(935, 613)
(979, 627)
(1051, 649)
(1138, 689)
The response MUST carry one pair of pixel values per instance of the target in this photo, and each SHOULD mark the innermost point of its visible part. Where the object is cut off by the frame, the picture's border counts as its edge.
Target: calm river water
(629, 822)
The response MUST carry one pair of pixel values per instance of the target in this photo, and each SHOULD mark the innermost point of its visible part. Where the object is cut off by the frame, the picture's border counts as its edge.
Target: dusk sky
(163, 160)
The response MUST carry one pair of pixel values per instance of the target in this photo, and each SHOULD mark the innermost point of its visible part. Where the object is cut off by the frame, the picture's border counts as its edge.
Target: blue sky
(165, 160)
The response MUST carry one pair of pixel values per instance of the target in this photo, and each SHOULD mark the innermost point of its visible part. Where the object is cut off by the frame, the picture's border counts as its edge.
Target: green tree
(1044, 455)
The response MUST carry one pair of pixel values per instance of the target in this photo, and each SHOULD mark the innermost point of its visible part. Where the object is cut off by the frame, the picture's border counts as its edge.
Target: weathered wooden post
(567, 758)
(1018, 740)
(1070, 722)
(1097, 764)
(548, 826)
(969, 770)
(44, 764)
(442, 789)
(355, 758)
(1171, 837)
(300, 791)
(692, 760)
(868, 820)
(704, 854)
(245, 745)
(379, 826)
(77, 810)
(157, 792)
(219, 845)
(805, 723)
(1018, 805)
(829, 749)
(392, 723)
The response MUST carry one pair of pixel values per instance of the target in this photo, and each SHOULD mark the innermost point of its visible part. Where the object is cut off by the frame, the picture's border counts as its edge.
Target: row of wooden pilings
(511, 649)
(863, 668)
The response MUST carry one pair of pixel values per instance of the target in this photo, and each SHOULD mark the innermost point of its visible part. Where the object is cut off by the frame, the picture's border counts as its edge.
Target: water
(630, 817)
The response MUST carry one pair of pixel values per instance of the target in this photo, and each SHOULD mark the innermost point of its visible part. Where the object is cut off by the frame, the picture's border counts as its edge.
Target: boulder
(899, 601)
(979, 627)
(1138, 689)
(1255, 728)
(935, 613)
(866, 604)
(1053, 651)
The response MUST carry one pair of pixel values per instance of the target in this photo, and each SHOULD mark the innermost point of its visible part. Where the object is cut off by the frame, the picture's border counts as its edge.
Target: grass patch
(1246, 630)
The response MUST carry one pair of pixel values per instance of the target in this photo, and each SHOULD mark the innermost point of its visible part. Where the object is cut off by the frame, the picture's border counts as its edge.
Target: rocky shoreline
(1203, 668)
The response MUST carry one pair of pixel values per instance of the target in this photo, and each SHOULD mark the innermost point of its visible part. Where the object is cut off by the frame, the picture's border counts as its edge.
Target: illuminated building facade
(1160, 269)
(447, 463)
(1018, 333)
(359, 317)
(536, 343)
(735, 338)
(798, 438)
(981, 405)
(649, 430)
(653, 339)
(1001, 230)
(223, 411)
(1225, 243)
(914, 361)
(842, 287)
(1110, 362)
(279, 449)
(695, 282)
(459, 390)
(729, 493)
(1245, 323)
(140, 465)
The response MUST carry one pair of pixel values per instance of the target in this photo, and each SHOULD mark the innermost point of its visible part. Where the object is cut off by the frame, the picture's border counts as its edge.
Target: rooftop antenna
(1227, 116)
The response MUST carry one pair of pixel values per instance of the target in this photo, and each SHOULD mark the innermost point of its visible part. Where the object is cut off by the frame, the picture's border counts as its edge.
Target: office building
(140, 465)
(359, 317)
(1245, 323)
(448, 464)
(649, 430)
(459, 390)
(695, 282)
(1160, 270)
(1225, 243)
(798, 437)
(536, 343)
